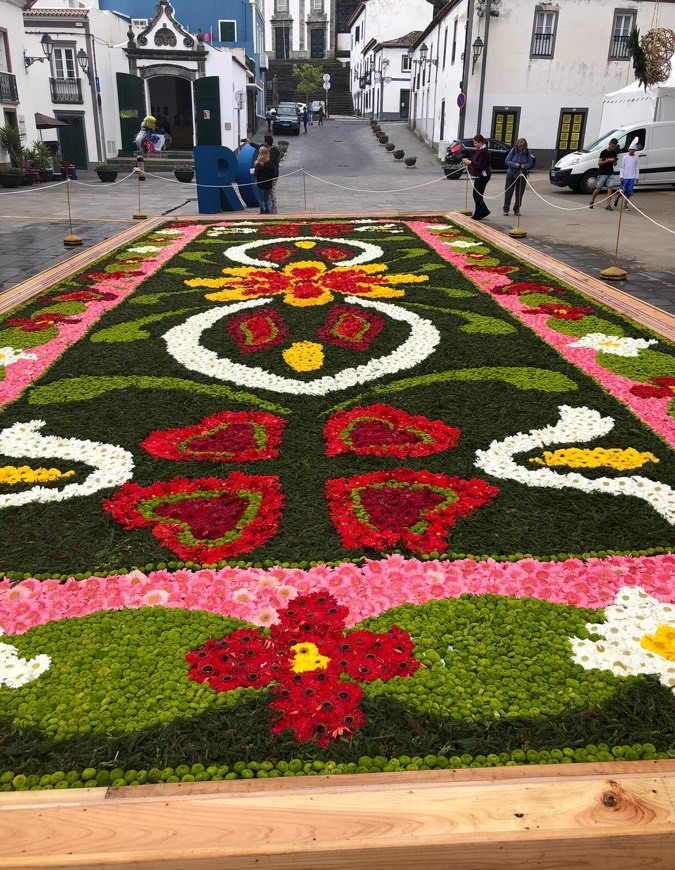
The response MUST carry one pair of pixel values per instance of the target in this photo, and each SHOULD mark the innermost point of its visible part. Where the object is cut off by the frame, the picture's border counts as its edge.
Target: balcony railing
(8, 89)
(618, 50)
(66, 90)
(542, 45)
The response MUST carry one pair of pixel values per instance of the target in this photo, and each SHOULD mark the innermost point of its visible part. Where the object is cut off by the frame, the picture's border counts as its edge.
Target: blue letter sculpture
(248, 189)
(216, 169)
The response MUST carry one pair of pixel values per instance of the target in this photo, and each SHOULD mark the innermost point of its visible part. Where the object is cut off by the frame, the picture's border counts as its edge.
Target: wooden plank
(571, 816)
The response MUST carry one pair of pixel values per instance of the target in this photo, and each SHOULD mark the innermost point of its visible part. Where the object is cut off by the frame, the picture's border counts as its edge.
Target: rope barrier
(366, 190)
(46, 186)
(111, 183)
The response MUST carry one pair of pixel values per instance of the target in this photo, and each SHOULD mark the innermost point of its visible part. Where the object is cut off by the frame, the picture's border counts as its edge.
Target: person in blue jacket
(305, 117)
(518, 164)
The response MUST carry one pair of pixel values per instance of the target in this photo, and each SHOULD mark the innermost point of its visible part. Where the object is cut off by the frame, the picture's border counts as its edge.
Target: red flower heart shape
(204, 520)
(380, 430)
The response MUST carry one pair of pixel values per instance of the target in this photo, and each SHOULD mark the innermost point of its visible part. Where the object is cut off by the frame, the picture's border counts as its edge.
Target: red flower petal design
(351, 327)
(380, 430)
(315, 704)
(230, 436)
(412, 508)
(204, 520)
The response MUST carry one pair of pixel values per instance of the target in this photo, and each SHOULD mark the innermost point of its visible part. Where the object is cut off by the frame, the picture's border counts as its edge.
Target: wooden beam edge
(600, 815)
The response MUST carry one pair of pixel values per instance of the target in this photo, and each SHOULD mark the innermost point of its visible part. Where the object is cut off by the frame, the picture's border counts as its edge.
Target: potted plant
(30, 173)
(399, 154)
(42, 160)
(107, 172)
(10, 141)
(184, 172)
(11, 176)
(389, 146)
(383, 139)
(410, 161)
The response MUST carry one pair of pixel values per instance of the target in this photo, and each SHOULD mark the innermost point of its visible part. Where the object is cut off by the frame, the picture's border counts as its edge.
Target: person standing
(479, 171)
(305, 117)
(629, 174)
(606, 163)
(518, 164)
(275, 159)
(264, 177)
(322, 112)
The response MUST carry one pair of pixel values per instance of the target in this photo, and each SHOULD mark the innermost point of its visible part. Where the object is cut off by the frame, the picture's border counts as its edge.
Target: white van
(656, 149)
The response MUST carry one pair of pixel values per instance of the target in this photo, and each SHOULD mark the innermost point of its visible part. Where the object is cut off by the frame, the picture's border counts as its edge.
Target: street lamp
(47, 49)
(477, 50)
(83, 61)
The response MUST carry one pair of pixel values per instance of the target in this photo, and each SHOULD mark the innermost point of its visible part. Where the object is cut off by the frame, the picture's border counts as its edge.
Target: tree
(438, 5)
(308, 79)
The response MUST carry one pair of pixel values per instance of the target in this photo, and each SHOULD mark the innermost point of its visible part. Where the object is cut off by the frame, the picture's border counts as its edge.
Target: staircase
(339, 96)
(161, 161)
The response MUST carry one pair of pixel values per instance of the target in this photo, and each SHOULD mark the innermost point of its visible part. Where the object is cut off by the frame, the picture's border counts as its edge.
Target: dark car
(453, 166)
(286, 121)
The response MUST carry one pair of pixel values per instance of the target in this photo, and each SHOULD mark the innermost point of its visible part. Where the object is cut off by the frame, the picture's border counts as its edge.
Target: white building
(381, 33)
(538, 71)
(103, 76)
(300, 29)
(14, 84)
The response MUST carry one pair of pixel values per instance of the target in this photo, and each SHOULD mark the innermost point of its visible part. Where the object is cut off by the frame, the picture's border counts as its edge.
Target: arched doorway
(170, 97)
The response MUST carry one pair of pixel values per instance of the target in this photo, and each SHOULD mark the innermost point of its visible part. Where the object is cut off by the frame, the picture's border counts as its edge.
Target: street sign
(326, 77)
(326, 86)
(377, 75)
(461, 100)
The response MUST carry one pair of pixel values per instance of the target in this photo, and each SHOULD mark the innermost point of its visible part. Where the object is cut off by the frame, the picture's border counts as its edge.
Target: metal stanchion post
(616, 273)
(70, 241)
(139, 215)
(517, 232)
(466, 210)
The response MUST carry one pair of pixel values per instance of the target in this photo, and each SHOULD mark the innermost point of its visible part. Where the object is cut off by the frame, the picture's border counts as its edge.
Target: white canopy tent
(633, 104)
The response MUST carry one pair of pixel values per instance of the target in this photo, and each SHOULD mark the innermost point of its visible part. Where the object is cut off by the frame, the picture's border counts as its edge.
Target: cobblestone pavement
(339, 168)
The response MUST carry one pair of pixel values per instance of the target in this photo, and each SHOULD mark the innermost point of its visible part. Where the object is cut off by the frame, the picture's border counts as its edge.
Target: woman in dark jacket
(518, 164)
(479, 171)
(265, 173)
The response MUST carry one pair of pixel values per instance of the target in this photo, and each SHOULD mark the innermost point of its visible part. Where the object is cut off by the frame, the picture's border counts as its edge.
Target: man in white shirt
(629, 174)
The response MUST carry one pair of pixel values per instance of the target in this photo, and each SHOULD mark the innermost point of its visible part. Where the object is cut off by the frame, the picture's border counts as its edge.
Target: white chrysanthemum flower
(111, 465)
(637, 637)
(144, 249)
(462, 243)
(367, 252)
(9, 355)
(224, 231)
(614, 344)
(167, 232)
(15, 671)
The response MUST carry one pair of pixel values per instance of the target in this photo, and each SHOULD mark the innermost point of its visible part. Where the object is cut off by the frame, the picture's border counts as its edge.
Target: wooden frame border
(604, 816)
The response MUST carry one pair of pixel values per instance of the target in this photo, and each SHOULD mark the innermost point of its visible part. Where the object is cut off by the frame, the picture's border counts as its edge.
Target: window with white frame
(406, 62)
(4, 52)
(139, 23)
(543, 36)
(357, 34)
(63, 63)
(453, 56)
(282, 5)
(317, 5)
(227, 31)
(624, 22)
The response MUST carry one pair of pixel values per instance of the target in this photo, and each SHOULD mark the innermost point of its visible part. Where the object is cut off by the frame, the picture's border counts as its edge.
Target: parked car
(454, 167)
(287, 120)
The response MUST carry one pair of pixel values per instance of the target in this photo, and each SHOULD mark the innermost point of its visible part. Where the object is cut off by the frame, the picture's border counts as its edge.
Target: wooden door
(207, 110)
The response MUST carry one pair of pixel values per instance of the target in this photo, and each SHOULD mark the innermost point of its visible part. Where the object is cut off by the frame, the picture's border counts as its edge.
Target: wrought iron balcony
(618, 49)
(66, 90)
(8, 89)
(542, 45)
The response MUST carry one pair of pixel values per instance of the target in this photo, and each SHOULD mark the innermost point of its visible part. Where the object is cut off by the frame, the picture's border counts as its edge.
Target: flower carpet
(282, 498)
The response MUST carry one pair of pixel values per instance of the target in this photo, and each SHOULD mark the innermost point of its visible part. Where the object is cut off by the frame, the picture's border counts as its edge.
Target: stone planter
(184, 175)
(10, 180)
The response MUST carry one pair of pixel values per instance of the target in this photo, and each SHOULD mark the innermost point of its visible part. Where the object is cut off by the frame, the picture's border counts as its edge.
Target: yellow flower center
(307, 658)
(662, 642)
(10, 475)
(306, 245)
(304, 356)
(614, 457)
